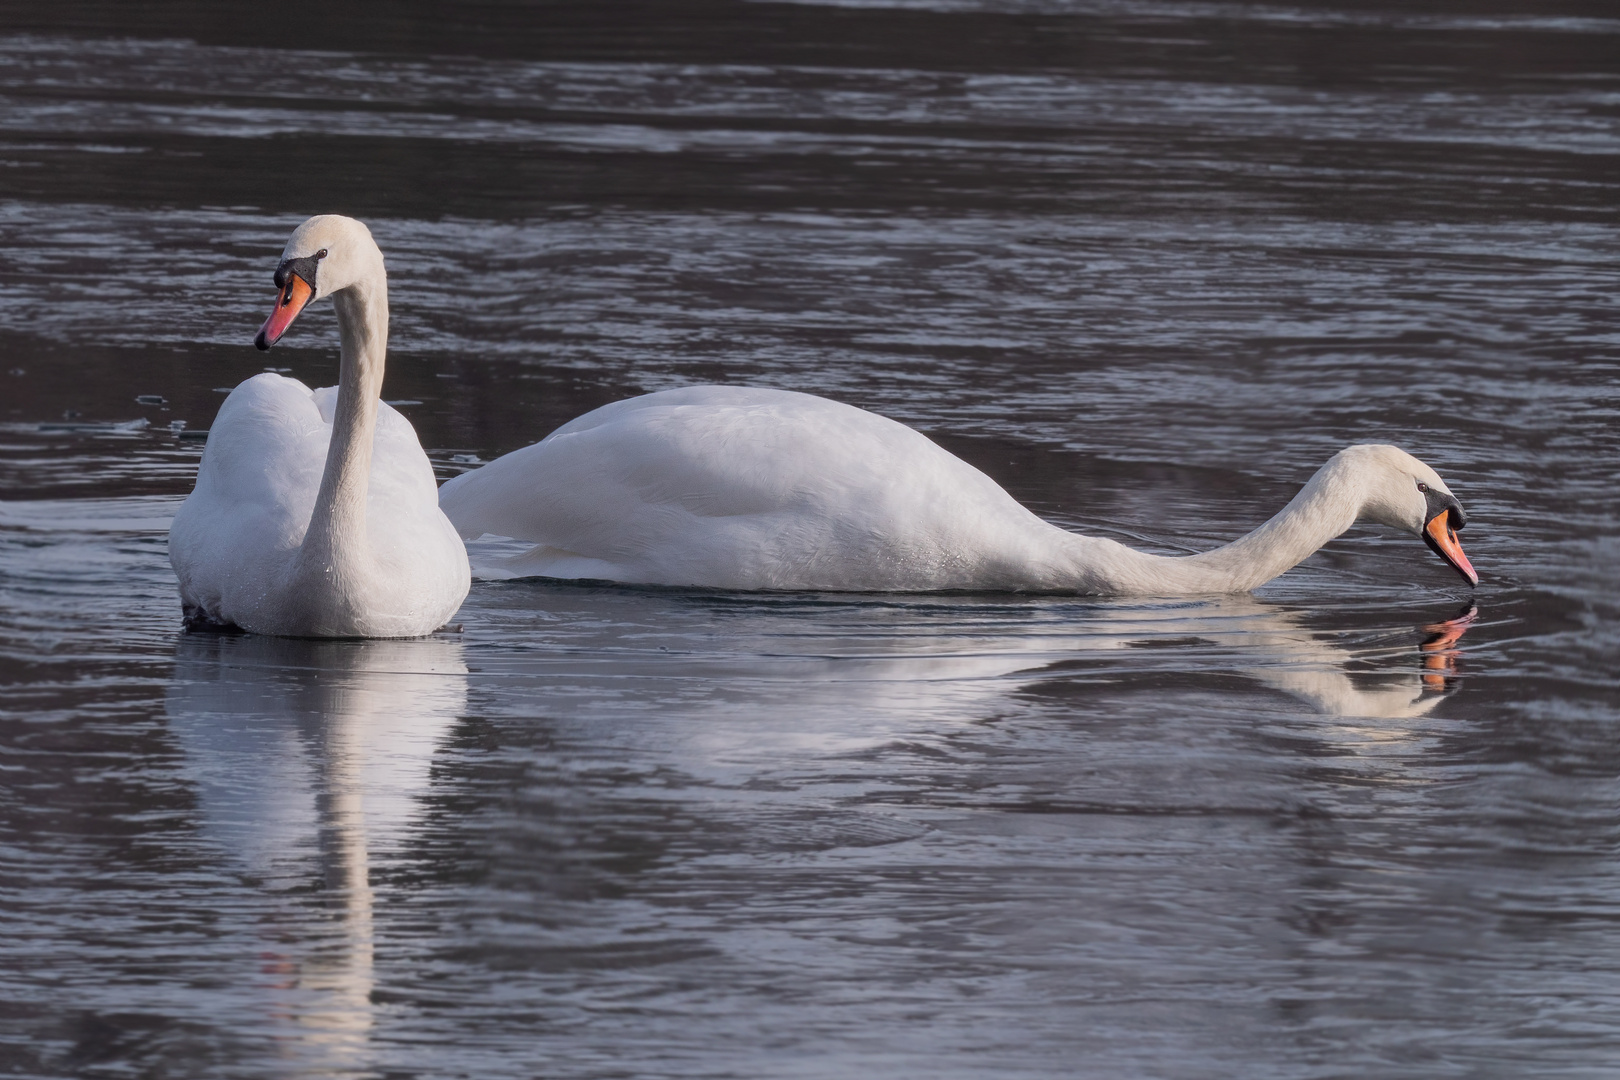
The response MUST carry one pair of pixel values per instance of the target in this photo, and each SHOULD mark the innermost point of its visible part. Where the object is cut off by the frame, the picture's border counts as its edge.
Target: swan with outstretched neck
(754, 489)
(316, 513)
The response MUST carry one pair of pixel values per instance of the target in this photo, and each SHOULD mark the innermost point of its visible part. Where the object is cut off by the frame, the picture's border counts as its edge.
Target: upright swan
(315, 512)
(744, 488)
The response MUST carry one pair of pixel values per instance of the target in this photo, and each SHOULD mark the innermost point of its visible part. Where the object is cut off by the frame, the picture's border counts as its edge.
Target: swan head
(1402, 492)
(326, 254)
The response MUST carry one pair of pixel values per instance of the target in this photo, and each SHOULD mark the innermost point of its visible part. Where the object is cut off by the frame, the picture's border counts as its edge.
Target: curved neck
(336, 537)
(1325, 507)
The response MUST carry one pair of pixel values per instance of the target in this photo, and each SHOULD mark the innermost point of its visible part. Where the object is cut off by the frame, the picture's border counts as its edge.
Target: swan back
(750, 488)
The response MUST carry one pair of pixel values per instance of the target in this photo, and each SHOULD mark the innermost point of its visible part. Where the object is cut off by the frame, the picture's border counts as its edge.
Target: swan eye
(321, 254)
(1422, 486)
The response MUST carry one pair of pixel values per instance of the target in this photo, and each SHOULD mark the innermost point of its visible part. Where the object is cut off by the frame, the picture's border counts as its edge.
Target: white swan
(744, 488)
(315, 512)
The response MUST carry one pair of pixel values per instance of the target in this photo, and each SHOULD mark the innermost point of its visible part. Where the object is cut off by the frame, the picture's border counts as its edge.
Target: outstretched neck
(1325, 507)
(335, 544)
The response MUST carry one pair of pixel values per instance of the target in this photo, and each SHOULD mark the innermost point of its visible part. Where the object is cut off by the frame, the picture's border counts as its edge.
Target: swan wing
(256, 484)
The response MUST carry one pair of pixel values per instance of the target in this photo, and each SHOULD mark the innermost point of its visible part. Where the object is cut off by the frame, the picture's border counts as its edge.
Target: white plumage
(747, 488)
(316, 513)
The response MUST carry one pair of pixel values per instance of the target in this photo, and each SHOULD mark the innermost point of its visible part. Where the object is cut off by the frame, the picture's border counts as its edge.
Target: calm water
(1147, 263)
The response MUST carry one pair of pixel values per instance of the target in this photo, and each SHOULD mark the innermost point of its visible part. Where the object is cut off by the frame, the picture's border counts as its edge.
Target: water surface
(1146, 264)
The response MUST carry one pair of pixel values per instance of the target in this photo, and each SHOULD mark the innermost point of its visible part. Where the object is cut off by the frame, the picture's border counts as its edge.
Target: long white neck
(1326, 506)
(336, 544)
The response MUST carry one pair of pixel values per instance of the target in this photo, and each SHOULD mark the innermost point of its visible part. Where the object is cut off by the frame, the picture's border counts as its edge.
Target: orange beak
(1439, 535)
(293, 299)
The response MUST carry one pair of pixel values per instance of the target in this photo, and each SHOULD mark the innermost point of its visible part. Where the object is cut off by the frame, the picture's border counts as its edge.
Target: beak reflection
(1439, 653)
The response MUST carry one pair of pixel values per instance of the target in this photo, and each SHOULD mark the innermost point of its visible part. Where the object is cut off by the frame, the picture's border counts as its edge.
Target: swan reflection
(1289, 656)
(308, 758)
(1388, 671)
(1393, 672)
(1365, 682)
(863, 671)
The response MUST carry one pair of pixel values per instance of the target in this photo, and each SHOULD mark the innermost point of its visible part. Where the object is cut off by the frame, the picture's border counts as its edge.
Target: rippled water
(1146, 263)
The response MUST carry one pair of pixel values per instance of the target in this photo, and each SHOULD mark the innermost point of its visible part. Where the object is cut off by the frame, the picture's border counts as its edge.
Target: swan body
(756, 489)
(315, 513)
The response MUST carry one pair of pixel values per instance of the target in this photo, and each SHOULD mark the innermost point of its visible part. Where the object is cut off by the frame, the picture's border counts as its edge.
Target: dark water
(1146, 263)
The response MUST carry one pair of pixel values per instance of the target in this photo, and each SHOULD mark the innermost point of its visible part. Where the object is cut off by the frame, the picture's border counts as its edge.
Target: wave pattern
(1147, 263)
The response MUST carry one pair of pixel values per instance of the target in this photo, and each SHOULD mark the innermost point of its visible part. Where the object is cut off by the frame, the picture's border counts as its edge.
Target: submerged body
(756, 489)
(316, 512)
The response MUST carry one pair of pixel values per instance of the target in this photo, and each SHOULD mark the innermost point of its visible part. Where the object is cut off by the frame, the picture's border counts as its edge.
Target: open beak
(292, 301)
(1440, 536)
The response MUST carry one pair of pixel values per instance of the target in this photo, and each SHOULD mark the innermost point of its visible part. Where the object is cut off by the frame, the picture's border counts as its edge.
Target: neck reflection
(1401, 674)
(309, 757)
